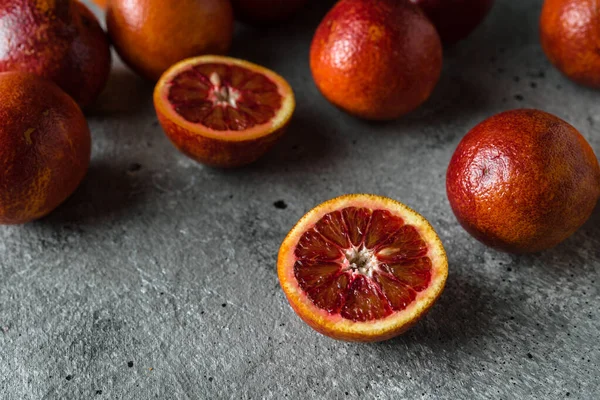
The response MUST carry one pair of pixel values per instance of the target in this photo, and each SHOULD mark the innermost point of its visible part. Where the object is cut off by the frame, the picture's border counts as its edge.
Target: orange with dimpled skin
(376, 59)
(570, 35)
(60, 40)
(152, 35)
(44, 147)
(362, 267)
(523, 181)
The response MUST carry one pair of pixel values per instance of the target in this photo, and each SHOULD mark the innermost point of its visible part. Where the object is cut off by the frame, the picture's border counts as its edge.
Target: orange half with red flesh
(362, 267)
(222, 111)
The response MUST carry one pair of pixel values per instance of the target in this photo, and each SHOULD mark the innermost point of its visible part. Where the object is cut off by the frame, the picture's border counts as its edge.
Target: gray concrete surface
(157, 279)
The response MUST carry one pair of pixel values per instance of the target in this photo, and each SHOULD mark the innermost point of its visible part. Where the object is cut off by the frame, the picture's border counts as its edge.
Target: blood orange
(222, 111)
(362, 267)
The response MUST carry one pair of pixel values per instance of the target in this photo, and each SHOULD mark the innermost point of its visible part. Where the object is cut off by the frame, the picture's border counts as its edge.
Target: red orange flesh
(60, 40)
(362, 267)
(376, 59)
(570, 35)
(523, 181)
(222, 111)
(44, 147)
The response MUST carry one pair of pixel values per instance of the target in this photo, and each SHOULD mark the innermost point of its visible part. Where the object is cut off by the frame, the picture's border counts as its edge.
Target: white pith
(360, 261)
(224, 96)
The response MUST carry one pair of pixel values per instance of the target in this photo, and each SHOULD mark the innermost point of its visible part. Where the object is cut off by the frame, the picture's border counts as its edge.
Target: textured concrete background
(157, 279)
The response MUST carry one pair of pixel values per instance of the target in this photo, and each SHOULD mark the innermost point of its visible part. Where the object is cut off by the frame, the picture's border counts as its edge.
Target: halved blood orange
(362, 267)
(222, 111)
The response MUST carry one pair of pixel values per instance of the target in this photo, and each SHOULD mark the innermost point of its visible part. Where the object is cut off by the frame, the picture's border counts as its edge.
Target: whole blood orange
(152, 35)
(222, 111)
(523, 181)
(570, 34)
(362, 267)
(57, 39)
(376, 59)
(265, 11)
(455, 19)
(44, 147)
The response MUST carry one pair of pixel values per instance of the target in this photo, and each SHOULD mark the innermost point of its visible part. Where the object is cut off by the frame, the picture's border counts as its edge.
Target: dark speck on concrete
(280, 204)
(210, 378)
(533, 85)
(98, 391)
(509, 269)
(568, 394)
(224, 305)
(519, 97)
(354, 142)
(130, 364)
(529, 355)
(134, 167)
(69, 377)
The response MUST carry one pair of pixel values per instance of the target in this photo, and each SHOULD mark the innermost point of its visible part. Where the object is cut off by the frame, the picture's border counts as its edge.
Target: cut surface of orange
(362, 267)
(223, 111)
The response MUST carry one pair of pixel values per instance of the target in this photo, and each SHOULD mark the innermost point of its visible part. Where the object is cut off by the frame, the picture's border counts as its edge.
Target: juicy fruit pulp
(224, 97)
(362, 264)
(44, 147)
(222, 111)
(570, 36)
(523, 181)
(60, 40)
(362, 268)
(152, 35)
(376, 59)
(455, 19)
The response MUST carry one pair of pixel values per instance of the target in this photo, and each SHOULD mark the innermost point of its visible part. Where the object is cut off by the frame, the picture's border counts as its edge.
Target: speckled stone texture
(157, 279)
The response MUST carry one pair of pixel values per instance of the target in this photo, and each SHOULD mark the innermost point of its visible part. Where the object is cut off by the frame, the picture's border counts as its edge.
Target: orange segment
(362, 267)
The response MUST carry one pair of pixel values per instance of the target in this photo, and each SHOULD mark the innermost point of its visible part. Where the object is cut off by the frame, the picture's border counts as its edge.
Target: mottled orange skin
(152, 35)
(455, 19)
(523, 181)
(376, 59)
(214, 152)
(101, 3)
(265, 11)
(44, 147)
(59, 40)
(570, 35)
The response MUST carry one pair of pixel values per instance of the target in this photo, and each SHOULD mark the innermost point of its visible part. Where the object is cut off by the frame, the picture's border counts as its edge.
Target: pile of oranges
(521, 181)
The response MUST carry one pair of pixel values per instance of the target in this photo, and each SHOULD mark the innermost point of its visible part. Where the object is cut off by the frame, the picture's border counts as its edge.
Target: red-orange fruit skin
(60, 40)
(376, 59)
(152, 35)
(101, 3)
(570, 36)
(455, 19)
(266, 11)
(44, 147)
(328, 330)
(217, 153)
(523, 181)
